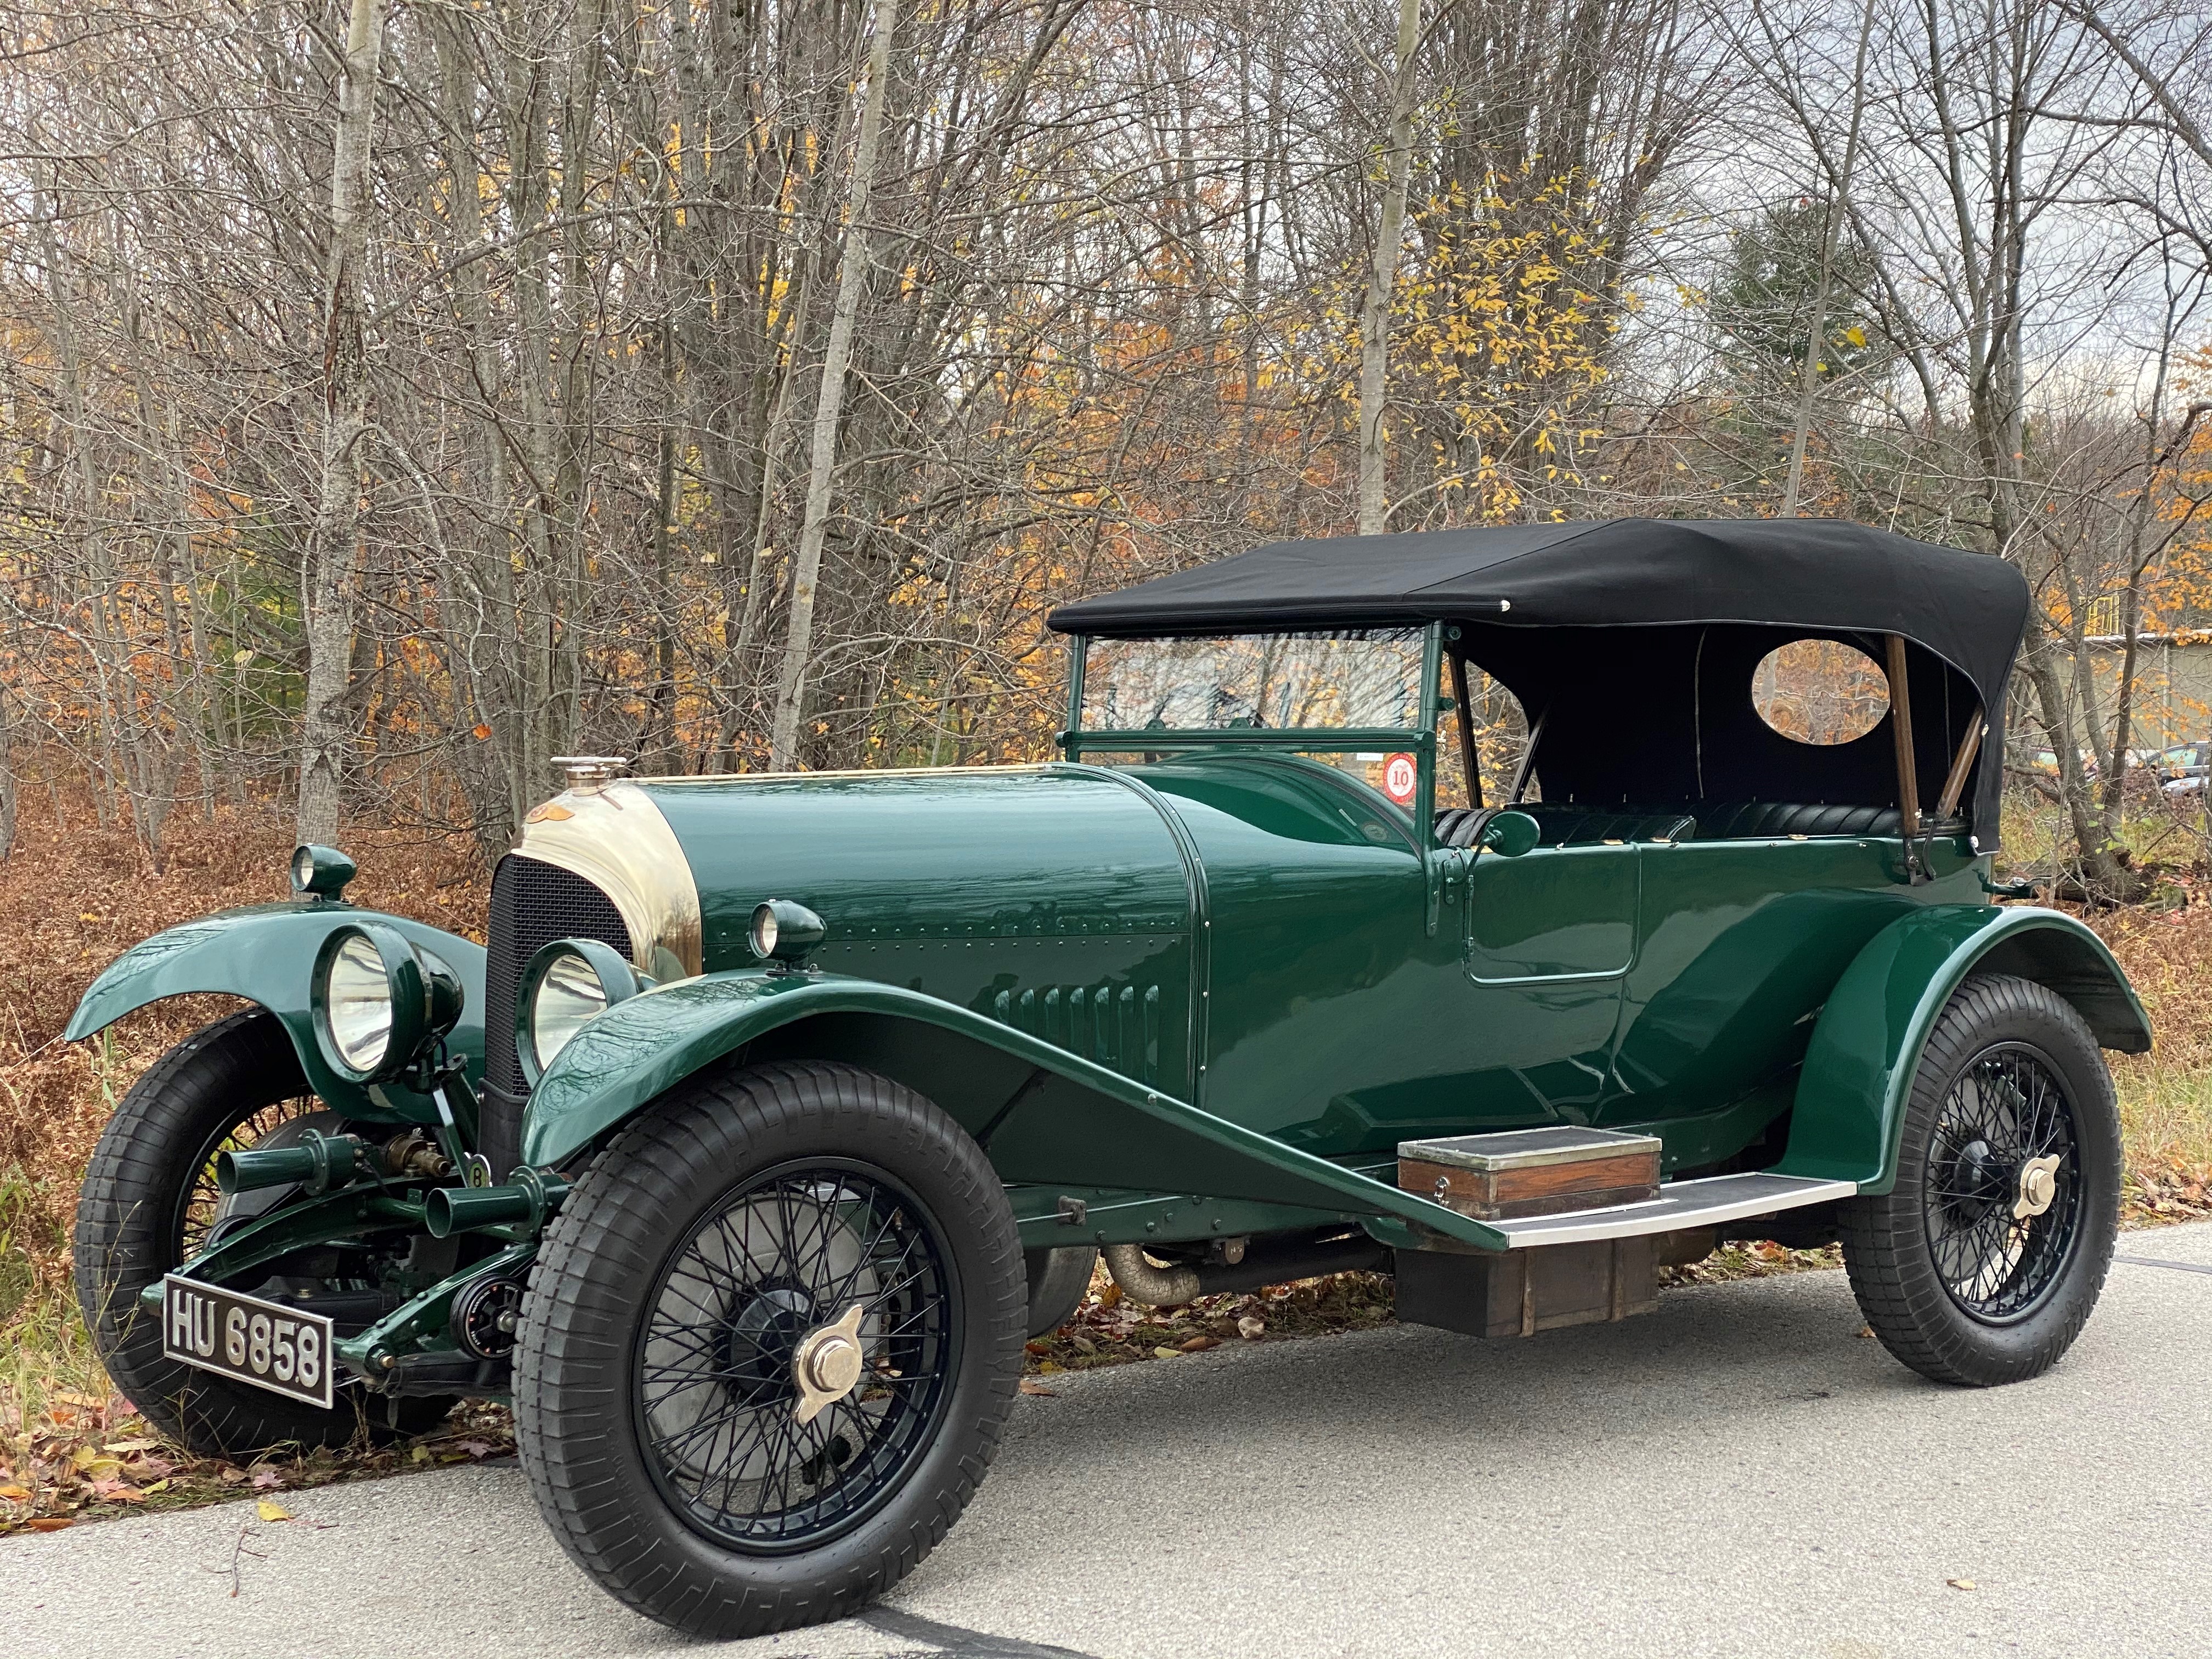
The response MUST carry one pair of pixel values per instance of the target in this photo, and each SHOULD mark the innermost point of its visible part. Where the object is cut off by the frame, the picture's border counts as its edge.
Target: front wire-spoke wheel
(811, 1275)
(770, 1347)
(203, 1207)
(1982, 1263)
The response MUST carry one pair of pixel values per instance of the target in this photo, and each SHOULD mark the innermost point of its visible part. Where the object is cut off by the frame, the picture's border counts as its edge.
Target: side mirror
(1510, 834)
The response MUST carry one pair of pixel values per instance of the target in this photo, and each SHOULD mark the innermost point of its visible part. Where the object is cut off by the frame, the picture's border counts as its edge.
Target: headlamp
(380, 1002)
(784, 932)
(565, 986)
(320, 871)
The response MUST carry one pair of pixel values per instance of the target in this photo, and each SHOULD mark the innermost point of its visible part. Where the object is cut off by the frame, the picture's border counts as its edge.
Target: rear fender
(1865, 1051)
(266, 954)
(1043, 1115)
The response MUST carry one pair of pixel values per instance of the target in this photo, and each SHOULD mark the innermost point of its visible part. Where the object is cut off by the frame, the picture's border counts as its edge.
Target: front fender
(1865, 1051)
(1042, 1114)
(266, 954)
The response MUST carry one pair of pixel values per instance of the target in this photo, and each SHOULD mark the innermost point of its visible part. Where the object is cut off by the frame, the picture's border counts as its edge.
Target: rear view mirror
(1511, 834)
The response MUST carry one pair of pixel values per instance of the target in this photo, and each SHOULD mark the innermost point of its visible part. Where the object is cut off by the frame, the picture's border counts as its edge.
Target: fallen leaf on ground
(15, 1494)
(47, 1524)
(117, 1492)
(1250, 1327)
(269, 1511)
(1962, 1583)
(1198, 1344)
(1866, 1330)
(1165, 1353)
(1030, 1385)
(264, 1479)
(1048, 1366)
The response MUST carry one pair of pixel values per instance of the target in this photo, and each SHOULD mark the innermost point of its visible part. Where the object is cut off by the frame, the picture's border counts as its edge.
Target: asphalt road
(1738, 1474)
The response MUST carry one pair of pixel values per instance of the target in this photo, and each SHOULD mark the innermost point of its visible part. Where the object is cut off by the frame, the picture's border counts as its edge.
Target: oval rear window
(1818, 691)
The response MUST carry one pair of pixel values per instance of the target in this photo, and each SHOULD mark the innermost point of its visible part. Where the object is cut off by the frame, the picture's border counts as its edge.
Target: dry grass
(2166, 1096)
(76, 894)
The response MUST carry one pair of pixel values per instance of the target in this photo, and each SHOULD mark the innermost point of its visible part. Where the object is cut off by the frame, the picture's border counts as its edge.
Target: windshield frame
(1075, 741)
(1076, 737)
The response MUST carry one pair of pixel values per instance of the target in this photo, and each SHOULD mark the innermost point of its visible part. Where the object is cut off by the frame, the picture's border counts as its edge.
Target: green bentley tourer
(1515, 911)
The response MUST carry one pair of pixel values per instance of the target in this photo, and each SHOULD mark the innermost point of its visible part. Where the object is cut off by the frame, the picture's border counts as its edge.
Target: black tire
(1956, 1283)
(620, 1488)
(1058, 1279)
(145, 1195)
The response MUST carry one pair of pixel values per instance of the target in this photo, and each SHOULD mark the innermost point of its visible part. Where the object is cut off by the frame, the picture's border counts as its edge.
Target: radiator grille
(532, 904)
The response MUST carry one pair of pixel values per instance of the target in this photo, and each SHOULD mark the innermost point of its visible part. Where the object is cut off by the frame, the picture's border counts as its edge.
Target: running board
(1680, 1205)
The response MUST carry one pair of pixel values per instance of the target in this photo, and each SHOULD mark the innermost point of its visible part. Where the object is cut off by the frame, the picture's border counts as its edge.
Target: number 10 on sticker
(1399, 778)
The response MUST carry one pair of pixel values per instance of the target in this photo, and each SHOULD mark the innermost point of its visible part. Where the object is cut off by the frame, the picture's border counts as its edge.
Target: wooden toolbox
(1524, 1172)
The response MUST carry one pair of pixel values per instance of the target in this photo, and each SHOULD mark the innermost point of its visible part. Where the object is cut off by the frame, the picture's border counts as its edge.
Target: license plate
(272, 1347)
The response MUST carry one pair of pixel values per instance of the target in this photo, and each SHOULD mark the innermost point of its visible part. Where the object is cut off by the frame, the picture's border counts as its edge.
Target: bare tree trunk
(327, 592)
(7, 780)
(1382, 279)
(852, 282)
(1831, 225)
(485, 645)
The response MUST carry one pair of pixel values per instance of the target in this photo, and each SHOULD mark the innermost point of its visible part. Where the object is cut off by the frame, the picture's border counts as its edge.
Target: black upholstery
(1569, 824)
(1457, 826)
(1754, 820)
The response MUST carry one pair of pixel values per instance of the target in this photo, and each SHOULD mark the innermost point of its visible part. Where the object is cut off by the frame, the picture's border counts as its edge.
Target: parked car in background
(2183, 768)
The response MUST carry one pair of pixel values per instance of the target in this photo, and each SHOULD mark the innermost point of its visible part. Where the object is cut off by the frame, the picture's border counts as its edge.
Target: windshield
(1266, 682)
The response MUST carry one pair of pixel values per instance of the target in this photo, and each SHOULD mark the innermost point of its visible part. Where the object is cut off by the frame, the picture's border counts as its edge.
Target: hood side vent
(1116, 1026)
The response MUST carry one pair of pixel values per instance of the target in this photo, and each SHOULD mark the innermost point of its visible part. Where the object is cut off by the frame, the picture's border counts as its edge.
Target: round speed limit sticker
(1398, 777)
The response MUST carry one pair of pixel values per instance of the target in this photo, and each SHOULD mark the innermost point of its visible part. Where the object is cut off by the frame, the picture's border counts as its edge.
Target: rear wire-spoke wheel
(1983, 1262)
(770, 1347)
(2001, 1190)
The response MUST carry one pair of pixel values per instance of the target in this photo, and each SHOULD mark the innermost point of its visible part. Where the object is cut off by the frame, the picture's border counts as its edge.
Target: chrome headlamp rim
(610, 974)
(422, 1000)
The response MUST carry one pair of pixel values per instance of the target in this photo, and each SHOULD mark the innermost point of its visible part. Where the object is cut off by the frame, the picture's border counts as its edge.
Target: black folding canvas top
(1679, 610)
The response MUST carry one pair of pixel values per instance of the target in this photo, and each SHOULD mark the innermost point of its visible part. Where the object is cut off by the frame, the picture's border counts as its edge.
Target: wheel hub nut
(827, 1364)
(2037, 1188)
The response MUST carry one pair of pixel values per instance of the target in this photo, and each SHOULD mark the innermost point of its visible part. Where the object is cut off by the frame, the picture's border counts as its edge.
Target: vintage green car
(780, 1109)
